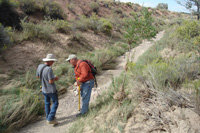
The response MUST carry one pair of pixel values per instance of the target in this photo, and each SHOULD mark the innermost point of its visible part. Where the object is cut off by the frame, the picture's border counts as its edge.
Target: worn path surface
(68, 104)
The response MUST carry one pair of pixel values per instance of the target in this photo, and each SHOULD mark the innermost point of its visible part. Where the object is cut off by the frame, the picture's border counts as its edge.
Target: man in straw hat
(84, 78)
(47, 78)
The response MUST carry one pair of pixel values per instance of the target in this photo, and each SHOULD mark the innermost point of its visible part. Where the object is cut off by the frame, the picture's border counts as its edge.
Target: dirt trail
(68, 104)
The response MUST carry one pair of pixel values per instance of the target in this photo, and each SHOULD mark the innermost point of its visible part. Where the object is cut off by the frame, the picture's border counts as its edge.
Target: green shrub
(29, 6)
(106, 26)
(71, 6)
(94, 6)
(52, 9)
(172, 72)
(162, 6)
(161, 74)
(41, 30)
(82, 24)
(118, 10)
(93, 23)
(14, 3)
(129, 4)
(62, 26)
(188, 30)
(5, 39)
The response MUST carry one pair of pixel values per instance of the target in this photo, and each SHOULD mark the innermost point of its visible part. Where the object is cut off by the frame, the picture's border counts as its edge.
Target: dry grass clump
(19, 109)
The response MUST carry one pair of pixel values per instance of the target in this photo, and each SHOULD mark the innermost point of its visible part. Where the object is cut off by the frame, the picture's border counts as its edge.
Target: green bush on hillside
(29, 6)
(188, 30)
(94, 24)
(161, 74)
(52, 9)
(41, 30)
(5, 39)
(82, 24)
(94, 6)
(117, 10)
(12, 3)
(62, 26)
(162, 6)
(106, 26)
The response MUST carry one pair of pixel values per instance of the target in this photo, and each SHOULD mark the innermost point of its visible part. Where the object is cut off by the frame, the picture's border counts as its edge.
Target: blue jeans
(50, 113)
(86, 89)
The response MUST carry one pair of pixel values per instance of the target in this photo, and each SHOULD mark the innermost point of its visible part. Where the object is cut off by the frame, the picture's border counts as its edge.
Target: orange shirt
(83, 71)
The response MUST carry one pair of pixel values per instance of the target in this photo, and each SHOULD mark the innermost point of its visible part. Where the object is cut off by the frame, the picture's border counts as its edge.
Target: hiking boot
(53, 119)
(53, 122)
(79, 115)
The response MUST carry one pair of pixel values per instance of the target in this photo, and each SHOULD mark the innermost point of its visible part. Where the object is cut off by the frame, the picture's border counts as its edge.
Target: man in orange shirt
(84, 78)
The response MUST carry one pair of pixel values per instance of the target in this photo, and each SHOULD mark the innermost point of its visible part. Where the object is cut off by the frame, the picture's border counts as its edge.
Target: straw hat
(50, 57)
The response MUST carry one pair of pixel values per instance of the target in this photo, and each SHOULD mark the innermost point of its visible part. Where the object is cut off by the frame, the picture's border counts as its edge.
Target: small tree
(139, 28)
(162, 6)
(192, 5)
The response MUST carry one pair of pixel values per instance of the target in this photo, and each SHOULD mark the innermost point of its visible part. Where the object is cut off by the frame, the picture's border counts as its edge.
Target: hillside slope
(91, 29)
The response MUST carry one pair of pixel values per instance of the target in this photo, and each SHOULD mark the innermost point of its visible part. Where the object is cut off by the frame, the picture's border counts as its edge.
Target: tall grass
(19, 108)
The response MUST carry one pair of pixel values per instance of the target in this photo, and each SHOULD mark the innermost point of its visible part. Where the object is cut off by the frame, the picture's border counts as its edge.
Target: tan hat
(71, 56)
(50, 57)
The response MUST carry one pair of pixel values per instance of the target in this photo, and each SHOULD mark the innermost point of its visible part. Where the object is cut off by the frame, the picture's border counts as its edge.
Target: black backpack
(93, 69)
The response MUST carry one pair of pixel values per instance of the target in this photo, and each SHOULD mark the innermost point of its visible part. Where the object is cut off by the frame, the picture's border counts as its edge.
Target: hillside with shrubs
(161, 88)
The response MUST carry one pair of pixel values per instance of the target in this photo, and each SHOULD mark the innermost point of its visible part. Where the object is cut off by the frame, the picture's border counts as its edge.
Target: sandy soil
(68, 104)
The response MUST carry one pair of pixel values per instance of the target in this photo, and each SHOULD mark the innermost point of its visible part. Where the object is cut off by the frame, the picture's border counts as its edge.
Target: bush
(52, 9)
(94, 6)
(118, 11)
(188, 30)
(5, 39)
(82, 24)
(93, 23)
(162, 6)
(41, 30)
(62, 26)
(29, 6)
(106, 26)
(161, 74)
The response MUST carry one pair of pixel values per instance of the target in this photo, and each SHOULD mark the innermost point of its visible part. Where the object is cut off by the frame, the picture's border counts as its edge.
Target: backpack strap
(80, 63)
(95, 81)
(89, 71)
(41, 72)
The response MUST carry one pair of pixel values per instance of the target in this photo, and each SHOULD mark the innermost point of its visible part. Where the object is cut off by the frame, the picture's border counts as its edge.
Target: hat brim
(45, 59)
(68, 59)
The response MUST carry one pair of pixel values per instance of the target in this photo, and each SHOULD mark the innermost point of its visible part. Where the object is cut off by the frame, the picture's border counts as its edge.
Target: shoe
(79, 115)
(53, 119)
(53, 122)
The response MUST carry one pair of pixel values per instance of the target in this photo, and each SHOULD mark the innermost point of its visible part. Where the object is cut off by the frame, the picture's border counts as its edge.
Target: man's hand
(53, 80)
(56, 78)
(78, 83)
